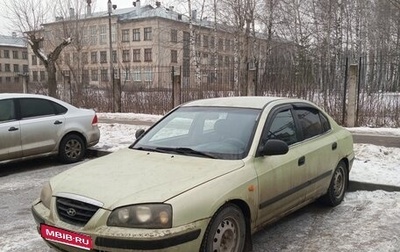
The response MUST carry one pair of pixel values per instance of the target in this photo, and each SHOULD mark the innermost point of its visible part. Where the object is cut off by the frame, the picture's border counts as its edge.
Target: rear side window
(7, 111)
(32, 107)
(312, 122)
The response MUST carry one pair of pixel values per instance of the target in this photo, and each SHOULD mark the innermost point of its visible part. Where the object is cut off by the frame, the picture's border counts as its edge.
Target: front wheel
(337, 187)
(226, 231)
(72, 149)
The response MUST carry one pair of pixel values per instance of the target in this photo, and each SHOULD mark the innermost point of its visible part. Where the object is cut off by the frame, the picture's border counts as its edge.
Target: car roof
(24, 95)
(257, 102)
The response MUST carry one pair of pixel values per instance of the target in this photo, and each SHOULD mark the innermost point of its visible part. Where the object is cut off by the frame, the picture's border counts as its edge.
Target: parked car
(37, 125)
(203, 178)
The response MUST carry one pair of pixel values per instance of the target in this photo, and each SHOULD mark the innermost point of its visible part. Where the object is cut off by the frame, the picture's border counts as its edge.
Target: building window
(125, 75)
(85, 77)
(6, 54)
(24, 55)
(136, 55)
(103, 34)
(198, 40)
(147, 54)
(15, 54)
(212, 42)
(174, 35)
(148, 74)
(136, 34)
(136, 75)
(103, 56)
(205, 41)
(114, 56)
(34, 75)
(227, 45)
(8, 79)
(220, 44)
(227, 61)
(125, 56)
(16, 68)
(16, 79)
(7, 68)
(104, 74)
(93, 57)
(0, 68)
(125, 35)
(174, 56)
(85, 56)
(147, 34)
(93, 35)
(25, 68)
(34, 60)
(95, 75)
(42, 76)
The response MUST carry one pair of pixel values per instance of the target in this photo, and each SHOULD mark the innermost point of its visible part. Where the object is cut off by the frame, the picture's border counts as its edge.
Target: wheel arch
(82, 136)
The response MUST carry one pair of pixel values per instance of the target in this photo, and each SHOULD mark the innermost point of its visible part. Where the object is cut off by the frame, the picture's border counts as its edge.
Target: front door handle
(13, 129)
(301, 161)
(334, 146)
(57, 122)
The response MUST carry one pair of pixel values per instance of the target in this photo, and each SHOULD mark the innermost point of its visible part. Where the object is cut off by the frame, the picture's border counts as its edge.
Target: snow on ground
(373, 164)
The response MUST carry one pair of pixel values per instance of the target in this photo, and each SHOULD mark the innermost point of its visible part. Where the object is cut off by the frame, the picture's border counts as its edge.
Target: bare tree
(28, 16)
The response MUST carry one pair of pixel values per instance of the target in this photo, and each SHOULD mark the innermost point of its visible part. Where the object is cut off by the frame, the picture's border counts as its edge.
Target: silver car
(37, 125)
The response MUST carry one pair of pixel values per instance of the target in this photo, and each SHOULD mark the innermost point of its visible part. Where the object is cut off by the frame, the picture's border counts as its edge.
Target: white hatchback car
(37, 125)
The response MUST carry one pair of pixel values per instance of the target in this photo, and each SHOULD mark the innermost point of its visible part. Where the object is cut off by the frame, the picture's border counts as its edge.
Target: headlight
(142, 216)
(45, 194)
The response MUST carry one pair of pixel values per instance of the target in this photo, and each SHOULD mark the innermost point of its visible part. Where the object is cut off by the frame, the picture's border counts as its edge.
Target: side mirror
(139, 133)
(274, 147)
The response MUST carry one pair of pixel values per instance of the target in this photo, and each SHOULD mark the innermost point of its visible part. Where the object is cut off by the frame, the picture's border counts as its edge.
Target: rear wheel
(337, 187)
(72, 149)
(226, 231)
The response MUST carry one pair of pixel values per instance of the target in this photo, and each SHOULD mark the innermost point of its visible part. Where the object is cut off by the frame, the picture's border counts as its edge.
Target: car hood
(131, 176)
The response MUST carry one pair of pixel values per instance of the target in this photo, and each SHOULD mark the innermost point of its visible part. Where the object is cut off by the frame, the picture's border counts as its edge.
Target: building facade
(149, 45)
(13, 63)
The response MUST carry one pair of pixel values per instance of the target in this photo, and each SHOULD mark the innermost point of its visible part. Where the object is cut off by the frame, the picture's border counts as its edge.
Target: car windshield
(210, 132)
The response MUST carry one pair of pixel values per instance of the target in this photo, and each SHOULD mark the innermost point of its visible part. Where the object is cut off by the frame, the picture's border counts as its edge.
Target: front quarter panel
(203, 201)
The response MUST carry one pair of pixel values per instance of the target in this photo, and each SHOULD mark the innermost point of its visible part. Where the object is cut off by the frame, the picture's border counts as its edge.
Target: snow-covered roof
(12, 41)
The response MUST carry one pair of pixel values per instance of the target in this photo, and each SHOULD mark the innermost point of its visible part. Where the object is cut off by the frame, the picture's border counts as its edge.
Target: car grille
(74, 211)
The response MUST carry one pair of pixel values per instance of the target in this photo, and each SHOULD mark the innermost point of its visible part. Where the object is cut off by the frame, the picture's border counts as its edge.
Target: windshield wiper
(151, 149)
(186, 151)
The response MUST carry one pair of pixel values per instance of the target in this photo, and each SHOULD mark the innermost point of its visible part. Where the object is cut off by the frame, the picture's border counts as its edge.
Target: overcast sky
(99, 5)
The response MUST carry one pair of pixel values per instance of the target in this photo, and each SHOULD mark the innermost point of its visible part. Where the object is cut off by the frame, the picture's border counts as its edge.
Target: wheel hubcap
(339, 183)
(226, 237)
(73, 149)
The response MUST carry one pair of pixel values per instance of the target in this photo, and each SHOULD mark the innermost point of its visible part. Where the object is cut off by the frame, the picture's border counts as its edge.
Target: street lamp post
(110, 8)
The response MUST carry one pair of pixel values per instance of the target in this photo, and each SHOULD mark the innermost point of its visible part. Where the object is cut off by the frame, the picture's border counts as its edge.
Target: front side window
(282, 128)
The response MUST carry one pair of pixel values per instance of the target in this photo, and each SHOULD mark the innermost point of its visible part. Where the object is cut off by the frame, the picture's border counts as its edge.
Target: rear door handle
(301, 161)
(13, 129)
(57, 122)
(334, 146)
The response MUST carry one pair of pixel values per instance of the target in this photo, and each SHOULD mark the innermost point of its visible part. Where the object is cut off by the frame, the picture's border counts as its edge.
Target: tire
(72, 149)
(337, 187)
(226, 231)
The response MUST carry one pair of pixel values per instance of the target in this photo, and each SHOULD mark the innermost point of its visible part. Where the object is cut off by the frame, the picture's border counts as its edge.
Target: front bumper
(183, 238)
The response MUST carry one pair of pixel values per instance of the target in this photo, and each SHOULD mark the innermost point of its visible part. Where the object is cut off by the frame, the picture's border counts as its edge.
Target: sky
(365, 221)
(98, 5)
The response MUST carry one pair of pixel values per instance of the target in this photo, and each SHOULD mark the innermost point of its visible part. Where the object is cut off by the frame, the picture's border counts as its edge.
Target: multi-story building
(147, 42)
(13, 63)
